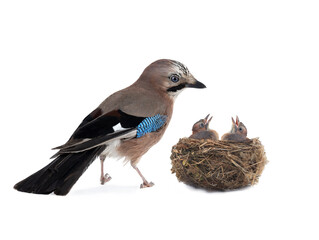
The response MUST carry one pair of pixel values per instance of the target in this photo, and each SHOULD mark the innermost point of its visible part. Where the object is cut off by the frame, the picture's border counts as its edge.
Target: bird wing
(150, 124)
(105, 124)
(126, 108)
(101, 130)
(97, 125)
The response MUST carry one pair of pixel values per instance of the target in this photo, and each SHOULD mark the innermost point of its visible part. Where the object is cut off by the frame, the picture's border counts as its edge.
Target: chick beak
(207, 121)
(237, 121)
(206, 118)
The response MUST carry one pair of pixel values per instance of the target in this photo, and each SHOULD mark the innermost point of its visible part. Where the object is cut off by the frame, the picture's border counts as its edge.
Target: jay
(125, 125)
(238, 132)
(201, 130)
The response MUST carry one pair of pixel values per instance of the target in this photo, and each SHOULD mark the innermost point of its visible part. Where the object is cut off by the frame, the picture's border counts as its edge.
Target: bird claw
(147, 184)
(106, 178)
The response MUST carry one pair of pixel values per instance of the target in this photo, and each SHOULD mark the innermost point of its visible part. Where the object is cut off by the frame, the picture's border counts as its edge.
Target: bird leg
(145, 183)
(104, 177)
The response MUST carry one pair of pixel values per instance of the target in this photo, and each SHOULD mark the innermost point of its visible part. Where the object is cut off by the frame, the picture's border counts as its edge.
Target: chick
(238, 132)
(201, 130)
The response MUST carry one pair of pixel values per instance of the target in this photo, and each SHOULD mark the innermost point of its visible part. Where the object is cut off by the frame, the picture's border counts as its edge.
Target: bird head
(201, 125)
(169, 76)
(238, 127)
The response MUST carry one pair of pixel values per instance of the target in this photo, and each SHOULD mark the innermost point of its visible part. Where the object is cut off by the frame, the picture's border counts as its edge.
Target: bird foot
(106, 178)
(147, 185)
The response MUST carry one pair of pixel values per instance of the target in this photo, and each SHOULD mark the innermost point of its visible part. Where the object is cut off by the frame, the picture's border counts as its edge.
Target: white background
(258, 59)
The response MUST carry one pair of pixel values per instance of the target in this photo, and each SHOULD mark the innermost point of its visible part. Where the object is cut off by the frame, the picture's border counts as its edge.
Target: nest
(218, 165)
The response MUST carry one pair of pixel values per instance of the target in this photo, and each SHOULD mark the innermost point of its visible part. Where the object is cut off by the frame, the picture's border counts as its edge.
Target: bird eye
(201, 125)
(174, 78)
(240, 129)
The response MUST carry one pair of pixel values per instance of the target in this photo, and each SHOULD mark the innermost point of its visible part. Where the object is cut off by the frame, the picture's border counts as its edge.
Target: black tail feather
(61, 174)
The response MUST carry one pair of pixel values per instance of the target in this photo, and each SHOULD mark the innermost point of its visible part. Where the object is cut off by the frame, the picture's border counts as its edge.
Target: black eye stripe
(176, 88)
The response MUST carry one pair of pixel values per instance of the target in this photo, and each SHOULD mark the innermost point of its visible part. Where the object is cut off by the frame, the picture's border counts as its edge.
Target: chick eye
(201, 125)
(240, 129)
(174, 78)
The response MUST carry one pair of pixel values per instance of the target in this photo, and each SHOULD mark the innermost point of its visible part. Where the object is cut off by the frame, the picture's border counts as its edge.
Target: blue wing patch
(150, 124)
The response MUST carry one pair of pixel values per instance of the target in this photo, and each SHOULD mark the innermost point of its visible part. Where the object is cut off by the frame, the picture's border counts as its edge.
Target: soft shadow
(195, 188)
(107, 189)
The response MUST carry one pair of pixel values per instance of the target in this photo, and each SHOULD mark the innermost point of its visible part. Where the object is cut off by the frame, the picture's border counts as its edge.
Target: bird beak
(237, 121)
(206, 118)
(196, 84)
(234, 123)
(207, 121)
